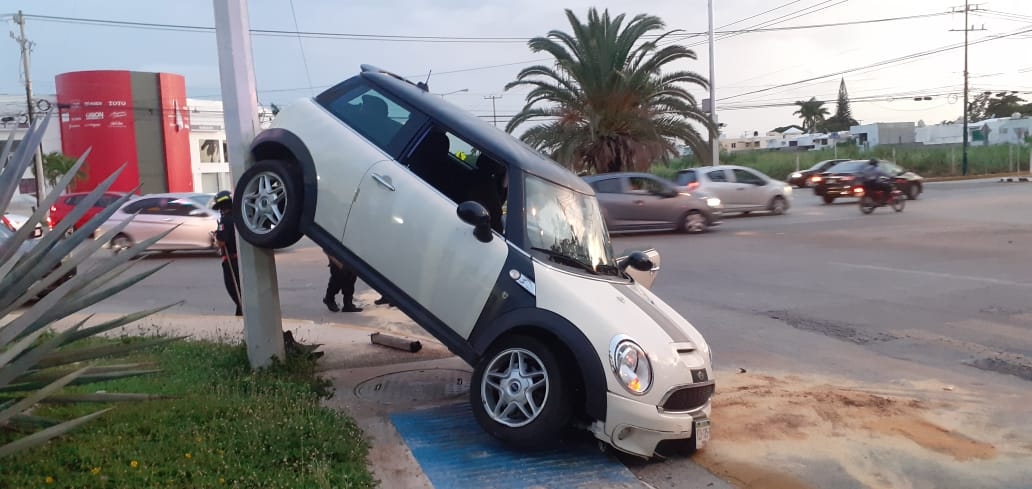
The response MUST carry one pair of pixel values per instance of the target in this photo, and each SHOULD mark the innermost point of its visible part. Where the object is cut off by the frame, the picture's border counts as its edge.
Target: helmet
(222, 200)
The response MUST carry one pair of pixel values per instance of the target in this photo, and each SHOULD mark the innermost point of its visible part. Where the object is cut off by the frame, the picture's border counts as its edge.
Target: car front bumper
(853, 190)
(637, 428)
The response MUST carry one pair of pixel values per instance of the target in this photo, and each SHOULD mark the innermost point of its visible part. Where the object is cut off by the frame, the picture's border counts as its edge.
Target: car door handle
(167, 219)
(385, 181)
(639, 202)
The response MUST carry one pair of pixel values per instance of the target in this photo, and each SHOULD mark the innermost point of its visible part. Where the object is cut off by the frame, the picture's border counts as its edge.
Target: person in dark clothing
(225, 240)
(342, 279)
(872, 177)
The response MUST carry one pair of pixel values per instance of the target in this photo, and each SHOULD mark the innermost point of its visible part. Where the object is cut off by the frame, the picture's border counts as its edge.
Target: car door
(193, 225)
(750, 188)
(452, 274)
(150, 219)
(719, 184)
(659, 208)
(610, 194)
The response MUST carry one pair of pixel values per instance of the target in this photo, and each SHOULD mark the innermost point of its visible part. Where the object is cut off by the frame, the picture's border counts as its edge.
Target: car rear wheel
(519, 393)
(913, 191)
(694, 222)
(829, 199)
(267, 205)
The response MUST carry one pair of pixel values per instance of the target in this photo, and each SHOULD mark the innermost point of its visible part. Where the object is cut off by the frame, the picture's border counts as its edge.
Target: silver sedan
(187, 214)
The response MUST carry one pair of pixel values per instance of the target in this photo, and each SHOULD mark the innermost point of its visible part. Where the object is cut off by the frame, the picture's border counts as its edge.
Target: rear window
(717, 176)
(608, 186)
(685, 177)
(847, 167)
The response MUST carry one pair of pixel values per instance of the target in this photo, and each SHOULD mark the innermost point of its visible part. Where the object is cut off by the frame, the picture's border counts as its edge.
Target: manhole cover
(415, 385)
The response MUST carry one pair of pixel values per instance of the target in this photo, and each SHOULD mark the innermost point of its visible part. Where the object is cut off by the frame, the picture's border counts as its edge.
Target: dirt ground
(768, 431)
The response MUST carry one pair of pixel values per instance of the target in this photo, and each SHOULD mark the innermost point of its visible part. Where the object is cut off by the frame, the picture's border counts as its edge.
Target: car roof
(606, 176)
(476, 131)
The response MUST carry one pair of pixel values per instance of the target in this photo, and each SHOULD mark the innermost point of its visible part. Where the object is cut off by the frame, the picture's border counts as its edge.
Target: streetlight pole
(715, 136)
(26, 48)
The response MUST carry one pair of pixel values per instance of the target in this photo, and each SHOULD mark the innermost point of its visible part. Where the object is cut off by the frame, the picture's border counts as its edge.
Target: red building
(127, 117)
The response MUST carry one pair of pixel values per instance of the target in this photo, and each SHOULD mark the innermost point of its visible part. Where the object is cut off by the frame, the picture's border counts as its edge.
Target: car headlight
(797, 175)
(631, 365)
(788, 189)
(713, 202)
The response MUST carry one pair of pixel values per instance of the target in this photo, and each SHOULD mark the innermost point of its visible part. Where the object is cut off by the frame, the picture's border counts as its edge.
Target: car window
(607, 186)
(73, 199)
(716, 176)
(685, 177)
(746, 176)
(890, 168)
(644, 185)
(371, 113)
(106, 200)
(143, 206)
(847, 167)
(179, 207)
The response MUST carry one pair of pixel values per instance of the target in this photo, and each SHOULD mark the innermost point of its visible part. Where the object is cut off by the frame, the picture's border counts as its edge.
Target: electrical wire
(300, 44)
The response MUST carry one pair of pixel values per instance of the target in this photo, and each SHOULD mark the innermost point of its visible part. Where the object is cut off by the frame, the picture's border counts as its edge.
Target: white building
(871, 135)
(1001, 130)
(14, 116)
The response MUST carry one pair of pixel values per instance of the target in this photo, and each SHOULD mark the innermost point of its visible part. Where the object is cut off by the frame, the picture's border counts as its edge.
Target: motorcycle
(881, 198)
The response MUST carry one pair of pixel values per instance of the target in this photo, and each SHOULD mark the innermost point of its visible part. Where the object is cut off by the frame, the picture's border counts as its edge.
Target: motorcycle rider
(871, 176)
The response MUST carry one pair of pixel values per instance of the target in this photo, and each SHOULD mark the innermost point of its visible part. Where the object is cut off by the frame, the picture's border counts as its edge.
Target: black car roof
(476, 131)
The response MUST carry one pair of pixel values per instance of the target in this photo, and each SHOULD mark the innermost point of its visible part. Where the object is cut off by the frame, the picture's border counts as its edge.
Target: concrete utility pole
(26, 49)
(967, 28)
(259, 287)
(494, 112)
(715, 138)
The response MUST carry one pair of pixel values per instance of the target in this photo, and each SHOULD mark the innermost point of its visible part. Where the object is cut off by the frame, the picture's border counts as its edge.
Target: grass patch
(227, 427)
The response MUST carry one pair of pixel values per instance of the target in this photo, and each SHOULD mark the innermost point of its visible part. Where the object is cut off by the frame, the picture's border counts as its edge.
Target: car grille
(688, 398)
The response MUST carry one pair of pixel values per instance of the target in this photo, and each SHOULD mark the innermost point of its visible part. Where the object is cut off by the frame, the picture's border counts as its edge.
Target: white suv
(496, 250)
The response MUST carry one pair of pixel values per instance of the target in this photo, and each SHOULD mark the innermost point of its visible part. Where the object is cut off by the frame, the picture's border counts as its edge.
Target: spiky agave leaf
(34, 366)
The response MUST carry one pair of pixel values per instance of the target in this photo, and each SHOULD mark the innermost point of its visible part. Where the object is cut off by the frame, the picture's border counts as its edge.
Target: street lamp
(455, 91)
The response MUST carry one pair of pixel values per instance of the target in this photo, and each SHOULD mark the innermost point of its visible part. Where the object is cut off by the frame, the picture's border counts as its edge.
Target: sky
(756, 73)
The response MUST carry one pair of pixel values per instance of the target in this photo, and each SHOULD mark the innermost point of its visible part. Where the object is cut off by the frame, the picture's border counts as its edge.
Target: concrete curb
(1015, 179)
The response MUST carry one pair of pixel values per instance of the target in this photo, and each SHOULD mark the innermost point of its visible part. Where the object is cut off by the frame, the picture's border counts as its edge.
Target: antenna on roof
(425, 85)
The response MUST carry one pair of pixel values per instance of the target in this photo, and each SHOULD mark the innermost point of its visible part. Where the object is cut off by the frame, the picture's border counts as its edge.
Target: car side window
(372, 114)
(105, 200)
(143, 206)
(177, 208)
(73, 200)
(716, 176)
(642, 185)
(746, 176)
(608, 186)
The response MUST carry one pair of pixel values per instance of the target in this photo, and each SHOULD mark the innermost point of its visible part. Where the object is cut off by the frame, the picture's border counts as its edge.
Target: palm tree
(812, 112)
(611, 106)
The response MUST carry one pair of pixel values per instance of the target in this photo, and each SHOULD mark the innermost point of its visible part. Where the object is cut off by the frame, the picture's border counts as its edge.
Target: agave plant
(46, 279)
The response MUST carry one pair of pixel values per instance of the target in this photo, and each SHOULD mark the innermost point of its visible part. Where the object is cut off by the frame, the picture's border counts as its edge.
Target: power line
(881, 64)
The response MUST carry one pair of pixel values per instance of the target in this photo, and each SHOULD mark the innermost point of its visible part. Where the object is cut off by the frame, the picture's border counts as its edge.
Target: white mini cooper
(496, 250)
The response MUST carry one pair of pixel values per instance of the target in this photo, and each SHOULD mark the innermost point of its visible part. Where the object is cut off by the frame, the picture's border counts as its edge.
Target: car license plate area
(702, 432)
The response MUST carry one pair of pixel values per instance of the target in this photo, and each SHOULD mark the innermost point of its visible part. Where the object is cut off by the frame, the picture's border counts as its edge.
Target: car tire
(829, 199)
(693, 222)
(267, 205)
(914, 191)
(778, 205)
(497, 392)
(121, 242)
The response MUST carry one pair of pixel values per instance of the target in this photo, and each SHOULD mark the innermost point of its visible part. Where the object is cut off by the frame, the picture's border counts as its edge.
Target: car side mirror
(476, 215)
(638, 260)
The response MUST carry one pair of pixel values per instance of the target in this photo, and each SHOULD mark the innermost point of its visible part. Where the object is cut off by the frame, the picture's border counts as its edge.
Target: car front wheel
(519, 394)
(267, 205)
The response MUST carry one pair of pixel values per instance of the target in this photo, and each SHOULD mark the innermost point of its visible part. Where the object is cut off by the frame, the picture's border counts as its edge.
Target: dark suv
(843, 180)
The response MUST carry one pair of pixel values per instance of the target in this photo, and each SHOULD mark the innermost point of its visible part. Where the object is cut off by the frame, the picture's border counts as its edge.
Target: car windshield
(202, 200)
(847, 167)
(567, 226)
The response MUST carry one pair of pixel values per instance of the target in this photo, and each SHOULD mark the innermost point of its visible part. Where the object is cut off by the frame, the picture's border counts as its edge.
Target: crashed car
(499, 252)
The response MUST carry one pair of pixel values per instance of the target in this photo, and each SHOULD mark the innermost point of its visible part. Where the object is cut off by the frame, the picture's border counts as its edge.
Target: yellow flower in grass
(188, 456)
(222, 480)
(49, 480)
(134, 464)
(95, 470)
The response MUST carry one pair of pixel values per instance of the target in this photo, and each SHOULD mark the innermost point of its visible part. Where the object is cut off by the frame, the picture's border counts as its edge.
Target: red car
(67, 202)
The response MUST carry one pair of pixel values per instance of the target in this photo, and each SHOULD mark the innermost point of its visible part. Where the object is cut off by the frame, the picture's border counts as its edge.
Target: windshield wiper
(565, 259)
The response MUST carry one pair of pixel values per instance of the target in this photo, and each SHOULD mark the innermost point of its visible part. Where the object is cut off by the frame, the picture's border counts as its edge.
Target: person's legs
(231, 278)
(347, 289)
(336, 283)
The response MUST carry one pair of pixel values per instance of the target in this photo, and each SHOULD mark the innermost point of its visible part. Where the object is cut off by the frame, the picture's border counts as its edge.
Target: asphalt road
(933, 302)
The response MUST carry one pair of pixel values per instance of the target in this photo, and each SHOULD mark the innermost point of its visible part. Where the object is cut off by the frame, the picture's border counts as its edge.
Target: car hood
(604, 310)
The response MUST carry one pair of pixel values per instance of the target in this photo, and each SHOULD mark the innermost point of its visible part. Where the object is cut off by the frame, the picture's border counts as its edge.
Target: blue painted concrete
(454, 452)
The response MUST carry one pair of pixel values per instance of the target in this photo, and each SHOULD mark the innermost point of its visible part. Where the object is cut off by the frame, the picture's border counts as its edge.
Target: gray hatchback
(637, 202)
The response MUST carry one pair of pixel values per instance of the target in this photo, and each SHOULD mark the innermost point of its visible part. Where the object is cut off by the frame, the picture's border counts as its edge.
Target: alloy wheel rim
(264, 202)
(515, 388)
